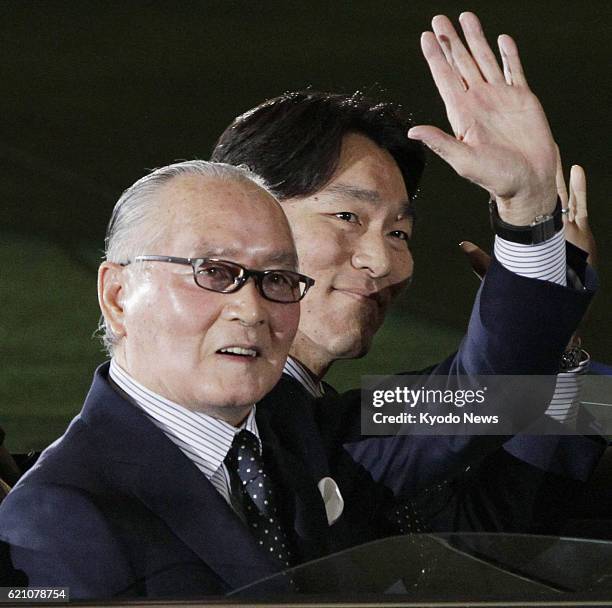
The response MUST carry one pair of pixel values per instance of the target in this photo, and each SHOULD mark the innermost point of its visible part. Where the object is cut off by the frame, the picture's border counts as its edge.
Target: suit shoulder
(77, 439)
(74, 459)
(42, 515)
(56, 532)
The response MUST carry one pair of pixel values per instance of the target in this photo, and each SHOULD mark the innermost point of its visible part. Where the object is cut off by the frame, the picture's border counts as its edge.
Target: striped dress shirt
(300, 372)
(203, 439)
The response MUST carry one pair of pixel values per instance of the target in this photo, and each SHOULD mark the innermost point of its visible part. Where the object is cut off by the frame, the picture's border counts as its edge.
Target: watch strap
(541, 229)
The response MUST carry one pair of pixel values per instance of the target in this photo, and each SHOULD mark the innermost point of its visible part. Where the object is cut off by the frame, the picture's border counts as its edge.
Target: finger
(461, 59)
(560, 181)
(444, 43)
(578, 200)
(457, 154)
(578, 193)
(479, 260)
(447, 81)
(480, 48)
(513, 70)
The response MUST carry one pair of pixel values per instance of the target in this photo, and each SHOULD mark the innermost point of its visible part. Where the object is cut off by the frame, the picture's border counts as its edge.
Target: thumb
(479, 260)
(447, 147)
(578, 194)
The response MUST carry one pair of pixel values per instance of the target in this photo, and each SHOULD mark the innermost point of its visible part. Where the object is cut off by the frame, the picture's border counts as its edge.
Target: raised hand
(502, 140)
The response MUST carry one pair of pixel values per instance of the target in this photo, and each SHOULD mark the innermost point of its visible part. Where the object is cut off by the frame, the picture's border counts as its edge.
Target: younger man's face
(352, 237)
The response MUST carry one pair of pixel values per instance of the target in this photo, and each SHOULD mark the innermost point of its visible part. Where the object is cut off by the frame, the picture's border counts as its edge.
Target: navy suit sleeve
(518, 326)
(79, 551)
(572, 456)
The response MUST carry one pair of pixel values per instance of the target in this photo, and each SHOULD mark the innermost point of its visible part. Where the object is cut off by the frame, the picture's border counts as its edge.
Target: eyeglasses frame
(241, 279)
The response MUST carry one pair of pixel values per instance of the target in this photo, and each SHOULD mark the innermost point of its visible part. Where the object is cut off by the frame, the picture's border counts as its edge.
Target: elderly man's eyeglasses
(222, 276)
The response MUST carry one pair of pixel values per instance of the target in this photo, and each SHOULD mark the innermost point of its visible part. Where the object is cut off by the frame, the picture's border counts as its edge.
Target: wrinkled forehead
(231, 219)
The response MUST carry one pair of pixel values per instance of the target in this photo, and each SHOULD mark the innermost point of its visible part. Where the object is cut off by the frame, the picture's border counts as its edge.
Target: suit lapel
(201, 518)
(145, 463)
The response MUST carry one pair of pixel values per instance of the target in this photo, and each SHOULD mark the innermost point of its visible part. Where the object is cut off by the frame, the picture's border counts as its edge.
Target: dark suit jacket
(114, 507)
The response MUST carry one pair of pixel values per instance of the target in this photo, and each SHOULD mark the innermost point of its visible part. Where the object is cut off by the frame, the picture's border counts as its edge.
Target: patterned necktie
(260, 509)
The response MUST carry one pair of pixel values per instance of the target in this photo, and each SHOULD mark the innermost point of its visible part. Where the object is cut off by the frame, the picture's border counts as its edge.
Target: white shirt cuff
(566, 400)
(545, 261)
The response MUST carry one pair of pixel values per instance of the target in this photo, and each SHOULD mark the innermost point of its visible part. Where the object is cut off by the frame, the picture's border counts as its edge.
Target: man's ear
(111, 285)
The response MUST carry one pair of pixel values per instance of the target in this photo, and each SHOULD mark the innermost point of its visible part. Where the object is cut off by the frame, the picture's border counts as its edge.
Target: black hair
(294, 141)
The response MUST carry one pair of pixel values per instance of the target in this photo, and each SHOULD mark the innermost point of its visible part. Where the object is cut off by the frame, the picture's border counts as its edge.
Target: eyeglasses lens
(276, 285)
(281, 286)
(217, 276)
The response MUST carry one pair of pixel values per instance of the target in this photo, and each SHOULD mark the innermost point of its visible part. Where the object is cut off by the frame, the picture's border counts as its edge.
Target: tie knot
(244, 456)
(246, 442)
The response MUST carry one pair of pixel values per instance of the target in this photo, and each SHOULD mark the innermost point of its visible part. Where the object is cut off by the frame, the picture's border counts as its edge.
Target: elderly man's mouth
(239, 352)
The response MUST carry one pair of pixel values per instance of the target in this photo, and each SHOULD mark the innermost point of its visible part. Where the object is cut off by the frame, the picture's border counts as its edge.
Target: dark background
(96, 93)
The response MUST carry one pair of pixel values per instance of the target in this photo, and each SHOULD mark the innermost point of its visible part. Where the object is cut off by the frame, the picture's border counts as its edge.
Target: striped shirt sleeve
(545, 261)
(565, 402)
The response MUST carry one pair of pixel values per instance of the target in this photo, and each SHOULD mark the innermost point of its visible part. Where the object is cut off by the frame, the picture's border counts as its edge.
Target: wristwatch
(573, 355)
(572, 358)
(541, 229)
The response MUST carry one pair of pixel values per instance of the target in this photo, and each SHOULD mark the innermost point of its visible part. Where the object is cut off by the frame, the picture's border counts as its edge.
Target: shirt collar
(200, 436)
(299, 372)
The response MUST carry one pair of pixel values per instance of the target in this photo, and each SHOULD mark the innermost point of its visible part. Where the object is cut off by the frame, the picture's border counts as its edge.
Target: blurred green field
(49, 315)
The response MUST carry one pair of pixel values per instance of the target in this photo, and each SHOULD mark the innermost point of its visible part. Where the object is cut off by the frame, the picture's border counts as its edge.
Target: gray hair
(132, 228)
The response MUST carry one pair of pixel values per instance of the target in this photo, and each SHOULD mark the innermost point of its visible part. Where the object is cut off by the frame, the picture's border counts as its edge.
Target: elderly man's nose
(246, 305)
(372, 254)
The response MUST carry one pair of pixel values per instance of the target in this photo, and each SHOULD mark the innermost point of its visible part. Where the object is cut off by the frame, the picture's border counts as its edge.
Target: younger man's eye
(347, 216)
(400, 234)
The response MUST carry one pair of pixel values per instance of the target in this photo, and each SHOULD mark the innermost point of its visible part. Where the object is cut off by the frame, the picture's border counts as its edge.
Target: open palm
(502, 140)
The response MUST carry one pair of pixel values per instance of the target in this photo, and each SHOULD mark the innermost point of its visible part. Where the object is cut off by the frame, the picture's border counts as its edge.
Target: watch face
(571, 358)
(539, 219)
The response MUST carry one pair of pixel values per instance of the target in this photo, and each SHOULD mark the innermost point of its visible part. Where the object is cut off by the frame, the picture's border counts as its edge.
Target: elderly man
(344, 172)
(143, 494)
